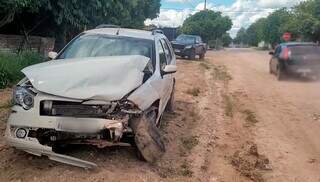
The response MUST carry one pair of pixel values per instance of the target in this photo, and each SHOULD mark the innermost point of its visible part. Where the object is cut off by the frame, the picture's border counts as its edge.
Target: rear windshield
(309, 49)
(88, 45)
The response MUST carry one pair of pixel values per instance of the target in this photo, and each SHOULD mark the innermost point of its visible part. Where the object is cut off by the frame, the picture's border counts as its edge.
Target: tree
(226, 40)
(208, 24)
(65, 18)
(241, 37)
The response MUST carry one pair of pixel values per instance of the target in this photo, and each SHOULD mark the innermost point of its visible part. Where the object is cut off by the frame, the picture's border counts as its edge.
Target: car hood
(181, 43)
(101, 78)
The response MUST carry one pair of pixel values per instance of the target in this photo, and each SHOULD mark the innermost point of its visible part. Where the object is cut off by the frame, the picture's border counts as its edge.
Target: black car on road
(189, 46)
(295, 58)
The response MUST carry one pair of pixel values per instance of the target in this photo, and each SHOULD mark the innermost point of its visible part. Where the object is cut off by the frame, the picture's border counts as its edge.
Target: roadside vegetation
(211, 26)
(194, 91)
(302, 21)
(12, 64)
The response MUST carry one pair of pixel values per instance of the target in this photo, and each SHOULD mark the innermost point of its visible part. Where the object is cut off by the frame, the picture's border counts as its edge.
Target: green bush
(12, 64)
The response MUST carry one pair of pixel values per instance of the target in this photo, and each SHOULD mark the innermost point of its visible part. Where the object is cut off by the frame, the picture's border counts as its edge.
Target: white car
(108, 86)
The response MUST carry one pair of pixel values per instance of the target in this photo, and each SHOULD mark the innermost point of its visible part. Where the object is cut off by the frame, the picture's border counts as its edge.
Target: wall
(12, 43)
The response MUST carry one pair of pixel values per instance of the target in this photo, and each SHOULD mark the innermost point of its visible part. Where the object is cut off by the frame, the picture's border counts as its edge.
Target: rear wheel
(270, 68)
(280, 73)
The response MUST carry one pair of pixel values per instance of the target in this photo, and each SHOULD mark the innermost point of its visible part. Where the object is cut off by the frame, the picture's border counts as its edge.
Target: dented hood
(101, 78)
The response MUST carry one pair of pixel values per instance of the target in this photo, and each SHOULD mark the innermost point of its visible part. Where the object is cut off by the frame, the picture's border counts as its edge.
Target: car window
(162, 56)
(167, 51)
(102, 45)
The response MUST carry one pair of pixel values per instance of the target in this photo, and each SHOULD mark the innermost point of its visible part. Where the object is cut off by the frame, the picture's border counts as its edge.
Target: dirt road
(233, 122)
(288, 115)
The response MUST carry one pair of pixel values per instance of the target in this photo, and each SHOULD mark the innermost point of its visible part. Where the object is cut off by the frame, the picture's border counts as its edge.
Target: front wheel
(202, 55)
(170, 104)
(148, 141)
(192, 55)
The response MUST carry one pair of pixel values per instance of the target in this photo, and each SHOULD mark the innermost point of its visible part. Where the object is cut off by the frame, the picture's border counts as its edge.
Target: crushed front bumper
(32, 146)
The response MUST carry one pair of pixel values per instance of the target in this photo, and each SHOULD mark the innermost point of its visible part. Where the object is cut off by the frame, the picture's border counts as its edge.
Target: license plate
(304, 70)
(177, 50)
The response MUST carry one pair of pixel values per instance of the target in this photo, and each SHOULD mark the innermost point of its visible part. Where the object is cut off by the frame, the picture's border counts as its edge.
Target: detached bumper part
(40, 150)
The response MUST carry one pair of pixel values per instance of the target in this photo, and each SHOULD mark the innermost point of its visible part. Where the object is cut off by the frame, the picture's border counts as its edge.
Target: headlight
(23, 97)
(188, 47)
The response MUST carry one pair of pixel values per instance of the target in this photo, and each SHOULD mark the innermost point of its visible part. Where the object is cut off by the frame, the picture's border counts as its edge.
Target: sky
(242, 12)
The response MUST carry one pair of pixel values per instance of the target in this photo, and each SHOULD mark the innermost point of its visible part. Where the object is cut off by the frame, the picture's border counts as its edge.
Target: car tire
(192, 55)
(149, 144)
(280, 74)
(170, 104)
(270, 68)
(202, 55)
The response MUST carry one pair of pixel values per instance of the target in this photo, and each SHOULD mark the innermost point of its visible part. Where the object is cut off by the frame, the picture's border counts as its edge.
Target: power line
(226, 11)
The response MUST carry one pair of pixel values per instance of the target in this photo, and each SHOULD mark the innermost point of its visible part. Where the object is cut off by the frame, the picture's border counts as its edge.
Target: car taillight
(286, 54)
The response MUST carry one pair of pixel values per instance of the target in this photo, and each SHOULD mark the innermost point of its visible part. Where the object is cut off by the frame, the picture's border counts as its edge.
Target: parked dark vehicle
(189, 46)
(301, 59)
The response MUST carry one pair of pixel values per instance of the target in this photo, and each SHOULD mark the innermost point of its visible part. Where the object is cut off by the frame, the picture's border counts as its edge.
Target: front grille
(75, 109)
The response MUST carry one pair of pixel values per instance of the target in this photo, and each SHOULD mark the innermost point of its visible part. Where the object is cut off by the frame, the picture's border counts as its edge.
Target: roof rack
(155, 31)
(107, 26)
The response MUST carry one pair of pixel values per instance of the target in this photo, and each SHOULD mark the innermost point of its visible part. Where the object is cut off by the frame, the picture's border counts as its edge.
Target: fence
(14, 43)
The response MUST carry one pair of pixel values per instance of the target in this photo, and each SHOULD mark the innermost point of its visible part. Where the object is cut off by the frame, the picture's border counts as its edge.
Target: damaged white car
(108, 86)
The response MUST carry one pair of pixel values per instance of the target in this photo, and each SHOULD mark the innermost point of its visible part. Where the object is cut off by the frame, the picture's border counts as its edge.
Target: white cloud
(170, 18)
(242, 12)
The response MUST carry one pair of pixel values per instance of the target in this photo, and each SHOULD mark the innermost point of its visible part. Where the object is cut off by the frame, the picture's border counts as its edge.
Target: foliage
(61, 18)
(12, 64)
(210, 25)
(226, 39)
(303, 22)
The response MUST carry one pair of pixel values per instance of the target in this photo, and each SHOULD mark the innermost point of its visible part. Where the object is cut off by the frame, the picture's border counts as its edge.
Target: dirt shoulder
(190, 134)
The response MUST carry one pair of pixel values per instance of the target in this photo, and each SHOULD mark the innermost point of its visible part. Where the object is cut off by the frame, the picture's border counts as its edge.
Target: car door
(165, 83)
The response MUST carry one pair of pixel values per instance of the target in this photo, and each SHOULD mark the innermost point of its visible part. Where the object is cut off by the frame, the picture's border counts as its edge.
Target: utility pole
(205, 4)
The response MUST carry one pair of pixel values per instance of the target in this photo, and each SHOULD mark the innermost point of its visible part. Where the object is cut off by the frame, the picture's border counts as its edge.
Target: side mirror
(52, 55)
(271, 53)
(169, 69)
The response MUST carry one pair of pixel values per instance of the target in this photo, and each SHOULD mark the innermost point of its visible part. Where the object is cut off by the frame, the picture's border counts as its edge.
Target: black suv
(189, 46)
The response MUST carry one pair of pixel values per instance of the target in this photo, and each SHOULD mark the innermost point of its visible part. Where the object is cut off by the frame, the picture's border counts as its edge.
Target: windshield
(186, 39)
(305, 49)
(103, 45)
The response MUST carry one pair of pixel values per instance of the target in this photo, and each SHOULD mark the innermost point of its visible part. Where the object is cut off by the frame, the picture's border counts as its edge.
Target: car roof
(298, 44)
(124, 32)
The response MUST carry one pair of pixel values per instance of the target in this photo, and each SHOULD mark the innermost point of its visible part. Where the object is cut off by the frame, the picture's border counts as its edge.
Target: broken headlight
(23, 97)
(129, 107)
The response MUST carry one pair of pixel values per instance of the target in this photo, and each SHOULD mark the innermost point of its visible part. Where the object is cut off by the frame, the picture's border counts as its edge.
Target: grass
(194, 91)
(221, 73)
(229, 108)
(250, 116)
(205, 65)
(11, 65)
(185, 169)
(190, 142)
(6, 105)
